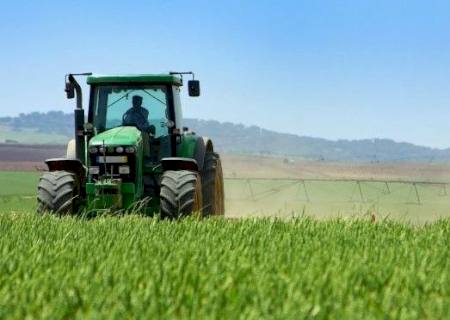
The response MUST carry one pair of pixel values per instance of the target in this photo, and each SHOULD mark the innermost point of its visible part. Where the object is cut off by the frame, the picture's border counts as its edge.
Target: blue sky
(332, 69)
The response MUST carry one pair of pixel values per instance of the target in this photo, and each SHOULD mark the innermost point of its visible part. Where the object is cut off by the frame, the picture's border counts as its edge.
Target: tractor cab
(150, 104)
(133, 149)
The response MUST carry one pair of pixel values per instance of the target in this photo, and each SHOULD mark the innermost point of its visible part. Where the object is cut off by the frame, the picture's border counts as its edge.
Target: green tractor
(133, 153)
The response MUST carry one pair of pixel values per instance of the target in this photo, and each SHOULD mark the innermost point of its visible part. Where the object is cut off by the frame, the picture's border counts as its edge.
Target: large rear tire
(181, 194)
(57, 193)
(212, 185)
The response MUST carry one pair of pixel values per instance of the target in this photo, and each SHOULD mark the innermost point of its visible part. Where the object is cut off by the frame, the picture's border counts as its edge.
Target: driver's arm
(143, 123)
(150, 128)
(145, 113)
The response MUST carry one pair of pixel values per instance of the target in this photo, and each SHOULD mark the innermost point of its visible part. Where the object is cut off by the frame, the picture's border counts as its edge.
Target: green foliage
(134, 267)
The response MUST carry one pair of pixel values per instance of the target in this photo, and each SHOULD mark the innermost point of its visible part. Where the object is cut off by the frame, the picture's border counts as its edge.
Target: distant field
(262, 196)
(29, 157)
(242, 166)
(137, 267)
(31, 136)
(325, 199)
(287, 198)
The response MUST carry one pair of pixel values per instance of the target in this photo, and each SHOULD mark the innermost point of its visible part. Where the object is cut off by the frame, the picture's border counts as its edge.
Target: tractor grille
(111, 168)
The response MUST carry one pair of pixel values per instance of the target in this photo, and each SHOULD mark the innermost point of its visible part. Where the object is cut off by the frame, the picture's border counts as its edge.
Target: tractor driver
(137, 116)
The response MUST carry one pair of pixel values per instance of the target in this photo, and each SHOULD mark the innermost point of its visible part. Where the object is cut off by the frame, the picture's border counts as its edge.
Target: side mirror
(194, 88)
(70, 90)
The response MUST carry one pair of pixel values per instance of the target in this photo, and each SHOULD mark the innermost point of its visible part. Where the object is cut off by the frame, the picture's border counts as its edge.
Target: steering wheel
(133, 120)
(138, 120)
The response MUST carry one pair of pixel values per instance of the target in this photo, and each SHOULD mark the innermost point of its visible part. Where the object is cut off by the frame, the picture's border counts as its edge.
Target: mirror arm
(80, 144)
(77, 88)
(72, 84)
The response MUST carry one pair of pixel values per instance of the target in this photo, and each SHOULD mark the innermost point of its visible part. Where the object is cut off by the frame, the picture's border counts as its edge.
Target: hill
(237, 138)
(57, 127)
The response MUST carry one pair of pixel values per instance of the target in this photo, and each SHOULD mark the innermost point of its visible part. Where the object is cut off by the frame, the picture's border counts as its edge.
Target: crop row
(123, 267)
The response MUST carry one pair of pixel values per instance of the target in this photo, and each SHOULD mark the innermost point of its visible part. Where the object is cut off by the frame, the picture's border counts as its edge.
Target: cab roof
(136, 78)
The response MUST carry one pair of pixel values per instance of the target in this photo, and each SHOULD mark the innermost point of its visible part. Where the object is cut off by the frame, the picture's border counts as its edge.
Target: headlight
(119, 149)
(93, 150)
(94, 170)
(130, 149)
(124, 170)
(101, 150)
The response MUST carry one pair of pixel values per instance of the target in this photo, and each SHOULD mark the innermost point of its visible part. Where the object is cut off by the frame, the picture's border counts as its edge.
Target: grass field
(18, 191)
(136, 267)
(140, 267)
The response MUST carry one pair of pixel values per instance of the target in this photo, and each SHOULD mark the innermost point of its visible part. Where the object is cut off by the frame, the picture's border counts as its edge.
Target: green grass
(135, 267)
(18, 183)
(18, 191)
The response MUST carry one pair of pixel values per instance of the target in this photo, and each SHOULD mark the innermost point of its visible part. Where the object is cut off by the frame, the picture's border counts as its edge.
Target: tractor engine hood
(120, 136)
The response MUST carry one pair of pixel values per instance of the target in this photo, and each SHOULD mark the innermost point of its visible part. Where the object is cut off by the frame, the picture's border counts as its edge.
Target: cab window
(141, 106)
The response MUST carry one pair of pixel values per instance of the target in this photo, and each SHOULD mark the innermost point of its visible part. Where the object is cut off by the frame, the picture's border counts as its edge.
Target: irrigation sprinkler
(306, 191)
(251, 189)
(357, 187)
(360, 191)
(388, 190)
(417, 193)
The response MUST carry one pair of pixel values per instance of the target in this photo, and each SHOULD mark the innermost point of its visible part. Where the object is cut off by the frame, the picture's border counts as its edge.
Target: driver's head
(137, 101)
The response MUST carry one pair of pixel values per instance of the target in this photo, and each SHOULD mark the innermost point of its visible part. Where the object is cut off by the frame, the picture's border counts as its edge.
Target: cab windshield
(144, 107)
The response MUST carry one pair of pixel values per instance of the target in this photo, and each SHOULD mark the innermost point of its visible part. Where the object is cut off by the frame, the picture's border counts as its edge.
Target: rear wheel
(181, 194)
(57, 192)
(212, 185)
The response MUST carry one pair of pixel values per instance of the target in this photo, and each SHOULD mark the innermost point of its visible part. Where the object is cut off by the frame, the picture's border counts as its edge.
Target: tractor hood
(120, 136)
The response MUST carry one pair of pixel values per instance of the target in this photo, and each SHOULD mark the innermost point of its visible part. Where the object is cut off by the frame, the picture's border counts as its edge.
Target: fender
(202, 146)
(208, 143)
(199, 152)
(72, 165)
(193, 146)
(177, 163)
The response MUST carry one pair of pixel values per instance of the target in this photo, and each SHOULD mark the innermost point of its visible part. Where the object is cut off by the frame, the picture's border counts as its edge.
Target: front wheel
(57, 193)
(181, 194)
